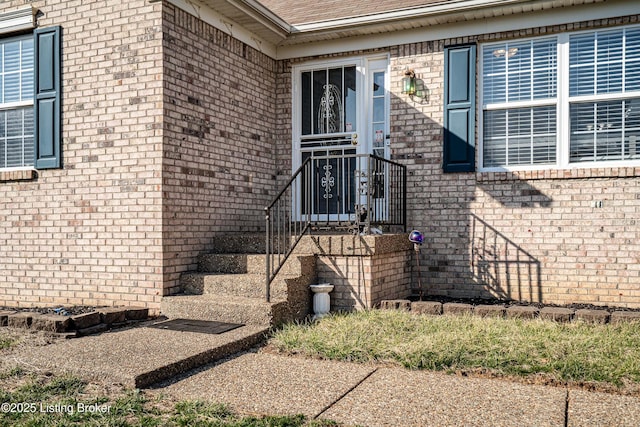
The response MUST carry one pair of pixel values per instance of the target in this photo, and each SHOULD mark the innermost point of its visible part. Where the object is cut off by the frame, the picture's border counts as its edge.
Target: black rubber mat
(201, 326)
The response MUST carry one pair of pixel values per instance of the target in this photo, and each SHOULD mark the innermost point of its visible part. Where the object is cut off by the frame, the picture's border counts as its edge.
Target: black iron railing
(359, 193)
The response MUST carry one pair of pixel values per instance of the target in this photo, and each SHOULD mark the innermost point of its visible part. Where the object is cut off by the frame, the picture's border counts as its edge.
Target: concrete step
(223, 308)
(241, 285)
(138, 357)
(240, 243)
(243, 243)
(232, 263)
(243, 263)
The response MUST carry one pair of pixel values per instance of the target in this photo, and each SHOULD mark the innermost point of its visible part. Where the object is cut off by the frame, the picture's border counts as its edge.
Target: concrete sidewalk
(364, 395)
(138, 356)
(353, 394)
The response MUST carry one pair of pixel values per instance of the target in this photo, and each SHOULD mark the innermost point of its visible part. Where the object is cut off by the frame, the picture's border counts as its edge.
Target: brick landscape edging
(83, 324)
(558, 314)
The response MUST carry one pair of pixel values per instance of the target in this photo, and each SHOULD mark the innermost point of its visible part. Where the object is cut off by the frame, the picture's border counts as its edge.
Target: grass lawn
(34, 399)
(51, 401)
(6, 342)
(561, 352)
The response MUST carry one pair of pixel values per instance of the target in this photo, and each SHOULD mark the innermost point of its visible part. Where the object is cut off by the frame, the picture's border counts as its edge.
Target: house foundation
(363, 269)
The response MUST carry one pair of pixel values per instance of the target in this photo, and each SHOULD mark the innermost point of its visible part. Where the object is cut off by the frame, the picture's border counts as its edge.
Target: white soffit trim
(225, 25)
(555, 16)
(264, 15)
(17, 20)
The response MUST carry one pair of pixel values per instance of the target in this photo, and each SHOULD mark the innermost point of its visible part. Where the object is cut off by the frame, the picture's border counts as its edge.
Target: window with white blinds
(520, 136)
(604, 95)
(519, 98)
(16, 102)
(573, 99)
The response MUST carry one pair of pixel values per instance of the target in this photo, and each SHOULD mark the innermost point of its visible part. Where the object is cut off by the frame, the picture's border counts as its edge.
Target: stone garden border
(558, 314)
(100, 320)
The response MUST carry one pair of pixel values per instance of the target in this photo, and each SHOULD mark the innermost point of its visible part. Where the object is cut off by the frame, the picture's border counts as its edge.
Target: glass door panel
(332, 187)
(329, 121)
(378, 123)
(342, 111)
(328, 101)
(379, 114)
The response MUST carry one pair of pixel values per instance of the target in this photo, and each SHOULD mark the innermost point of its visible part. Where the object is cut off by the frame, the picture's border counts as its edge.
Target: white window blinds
(604, 65)
(519, 71)
(519, 97)
(572, 99)
(16, 102)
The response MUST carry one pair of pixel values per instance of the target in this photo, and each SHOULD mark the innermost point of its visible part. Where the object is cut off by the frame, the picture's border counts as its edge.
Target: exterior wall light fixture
(409, 82)
(414, 87)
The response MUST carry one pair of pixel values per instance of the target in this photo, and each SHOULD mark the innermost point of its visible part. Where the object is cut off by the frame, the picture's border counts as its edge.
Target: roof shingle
(305, 11)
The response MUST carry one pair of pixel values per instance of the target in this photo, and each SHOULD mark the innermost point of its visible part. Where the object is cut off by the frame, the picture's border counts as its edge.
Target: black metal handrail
(284, 228)
(356, 191)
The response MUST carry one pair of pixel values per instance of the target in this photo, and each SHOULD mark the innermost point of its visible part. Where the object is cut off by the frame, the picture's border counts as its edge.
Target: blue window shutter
(459, 109)
(47, 97)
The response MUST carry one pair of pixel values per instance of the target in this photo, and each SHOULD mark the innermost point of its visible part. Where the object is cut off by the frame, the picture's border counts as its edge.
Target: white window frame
(18, 105)
(563, 100)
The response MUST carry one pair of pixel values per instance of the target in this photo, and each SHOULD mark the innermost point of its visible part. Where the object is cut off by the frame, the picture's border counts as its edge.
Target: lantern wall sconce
(414, 87)
(409, 82)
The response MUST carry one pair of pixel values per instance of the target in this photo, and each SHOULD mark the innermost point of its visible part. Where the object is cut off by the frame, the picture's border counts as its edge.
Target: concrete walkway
(353, 394)
(139, 356)
(257, 383)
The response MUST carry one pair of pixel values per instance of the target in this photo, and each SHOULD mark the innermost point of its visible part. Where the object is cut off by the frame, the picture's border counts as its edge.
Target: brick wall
(364, 281)
(392, 276)
(87, 234)
(170, 140)
(363, 269)
(218, 168)
(534, 236)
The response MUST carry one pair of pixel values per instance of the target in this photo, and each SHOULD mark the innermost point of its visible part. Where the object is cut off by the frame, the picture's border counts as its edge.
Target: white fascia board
(17, 20)
(566, 15)
(225, 25)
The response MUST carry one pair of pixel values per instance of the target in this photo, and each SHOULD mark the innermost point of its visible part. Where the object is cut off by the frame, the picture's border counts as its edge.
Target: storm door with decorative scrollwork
(328, 135)
(340, 115)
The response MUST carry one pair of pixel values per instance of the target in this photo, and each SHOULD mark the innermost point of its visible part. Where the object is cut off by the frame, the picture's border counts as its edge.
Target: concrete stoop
(225, 308)
(231, 288)
(239, 263)
(140, 356)
(248, 285)
(228, 287)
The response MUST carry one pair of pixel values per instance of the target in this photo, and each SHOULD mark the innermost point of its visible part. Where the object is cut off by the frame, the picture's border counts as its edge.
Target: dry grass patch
(575, 353)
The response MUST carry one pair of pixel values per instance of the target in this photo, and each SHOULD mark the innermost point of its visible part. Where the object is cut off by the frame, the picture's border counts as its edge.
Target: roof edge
(263, 15)
(444, 7)
(227, 26)
(275, 23)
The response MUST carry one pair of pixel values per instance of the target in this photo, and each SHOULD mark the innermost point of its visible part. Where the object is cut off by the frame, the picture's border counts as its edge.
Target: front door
(341, 111)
